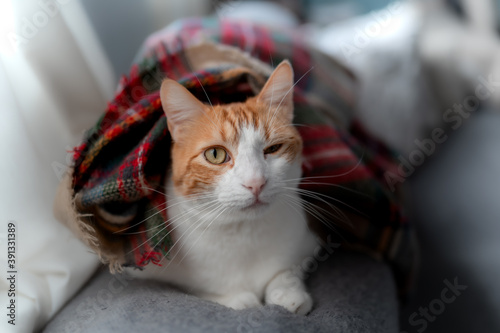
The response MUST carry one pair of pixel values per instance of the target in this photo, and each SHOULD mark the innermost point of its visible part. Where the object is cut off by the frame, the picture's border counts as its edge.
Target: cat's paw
(243, 300)
(294, 300)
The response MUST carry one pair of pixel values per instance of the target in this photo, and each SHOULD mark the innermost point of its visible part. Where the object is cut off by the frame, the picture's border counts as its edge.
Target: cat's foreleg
(237, 301)
(288, 290)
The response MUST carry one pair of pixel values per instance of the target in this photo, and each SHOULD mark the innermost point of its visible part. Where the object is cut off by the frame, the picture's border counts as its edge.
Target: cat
(234, 215)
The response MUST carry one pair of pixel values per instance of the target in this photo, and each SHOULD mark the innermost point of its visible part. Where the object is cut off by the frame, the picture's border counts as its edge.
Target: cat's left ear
(278, 90)
(180, 106)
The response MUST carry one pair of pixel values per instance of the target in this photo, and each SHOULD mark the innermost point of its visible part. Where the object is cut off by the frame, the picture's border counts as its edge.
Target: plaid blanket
(122, 161)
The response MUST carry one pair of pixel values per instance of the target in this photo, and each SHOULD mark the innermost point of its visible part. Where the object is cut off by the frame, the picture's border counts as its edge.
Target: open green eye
(272, 149)
(216, 155)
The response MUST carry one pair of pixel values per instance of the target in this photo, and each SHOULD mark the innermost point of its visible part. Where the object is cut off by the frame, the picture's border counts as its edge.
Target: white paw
(294, 300)
(241, 301)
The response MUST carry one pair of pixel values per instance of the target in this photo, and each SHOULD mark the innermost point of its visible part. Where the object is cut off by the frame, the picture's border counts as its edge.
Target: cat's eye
(272, 149)
(216, 155)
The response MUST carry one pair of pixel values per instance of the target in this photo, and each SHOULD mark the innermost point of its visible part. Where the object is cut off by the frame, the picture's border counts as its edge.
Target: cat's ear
(278, 90)
(180, 107)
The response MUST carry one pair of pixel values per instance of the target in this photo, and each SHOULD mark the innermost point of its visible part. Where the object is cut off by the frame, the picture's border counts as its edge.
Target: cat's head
(238, 156)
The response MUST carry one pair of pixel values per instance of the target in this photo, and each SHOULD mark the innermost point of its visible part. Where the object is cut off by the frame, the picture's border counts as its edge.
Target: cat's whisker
(312, 210)
(167, 221)
(219, 128)
(195, 225)
(341, 218)
(164, 236)
(333, 176)
(319, 213)
(313, 195)
(193, 197)
(332, 218)
(270, 105)
(317, 196)
(310, 204)
(329, 184)
(161, 210)
(272, 91)
(308, 210)
(152, 189)
(165, 194)
(282, 199)
(330, 226)
(199, 237)
(288, 91)
(166, 226)
(209, 206)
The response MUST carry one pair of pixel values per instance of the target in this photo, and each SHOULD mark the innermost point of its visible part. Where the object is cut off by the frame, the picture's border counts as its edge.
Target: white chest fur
(235, 257)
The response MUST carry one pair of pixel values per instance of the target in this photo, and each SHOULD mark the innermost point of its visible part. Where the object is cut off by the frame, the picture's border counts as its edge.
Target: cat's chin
(255, 210)
(256, 205)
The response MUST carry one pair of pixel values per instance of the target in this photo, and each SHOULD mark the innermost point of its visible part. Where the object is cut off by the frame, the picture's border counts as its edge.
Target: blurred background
(421, 66)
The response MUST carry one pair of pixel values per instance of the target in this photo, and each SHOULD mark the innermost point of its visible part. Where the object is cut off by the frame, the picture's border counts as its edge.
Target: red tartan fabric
(123, 160)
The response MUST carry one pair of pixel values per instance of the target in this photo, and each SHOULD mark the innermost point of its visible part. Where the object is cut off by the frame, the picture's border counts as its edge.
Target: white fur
(235, 256)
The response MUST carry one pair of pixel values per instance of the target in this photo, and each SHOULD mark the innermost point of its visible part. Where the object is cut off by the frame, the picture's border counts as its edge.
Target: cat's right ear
(180, 107)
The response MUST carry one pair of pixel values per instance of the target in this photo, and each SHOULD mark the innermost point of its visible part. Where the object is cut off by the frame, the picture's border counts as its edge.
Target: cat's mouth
(256, 204)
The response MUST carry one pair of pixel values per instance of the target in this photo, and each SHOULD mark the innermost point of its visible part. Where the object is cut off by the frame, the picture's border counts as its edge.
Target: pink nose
(255, 185)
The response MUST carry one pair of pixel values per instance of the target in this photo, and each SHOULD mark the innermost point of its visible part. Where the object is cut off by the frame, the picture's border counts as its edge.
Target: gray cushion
(352, 293)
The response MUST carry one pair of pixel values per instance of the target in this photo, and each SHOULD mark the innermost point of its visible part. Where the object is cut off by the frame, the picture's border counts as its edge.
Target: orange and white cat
(236, 225)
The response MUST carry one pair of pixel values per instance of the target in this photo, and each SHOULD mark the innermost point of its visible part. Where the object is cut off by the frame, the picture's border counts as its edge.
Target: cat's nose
(255, 185)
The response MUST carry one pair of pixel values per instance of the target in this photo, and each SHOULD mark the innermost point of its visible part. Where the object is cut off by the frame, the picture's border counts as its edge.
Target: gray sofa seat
(352, 293)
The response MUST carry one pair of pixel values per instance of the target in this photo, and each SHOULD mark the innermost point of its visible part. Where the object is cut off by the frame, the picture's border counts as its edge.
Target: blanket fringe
(66, 212)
